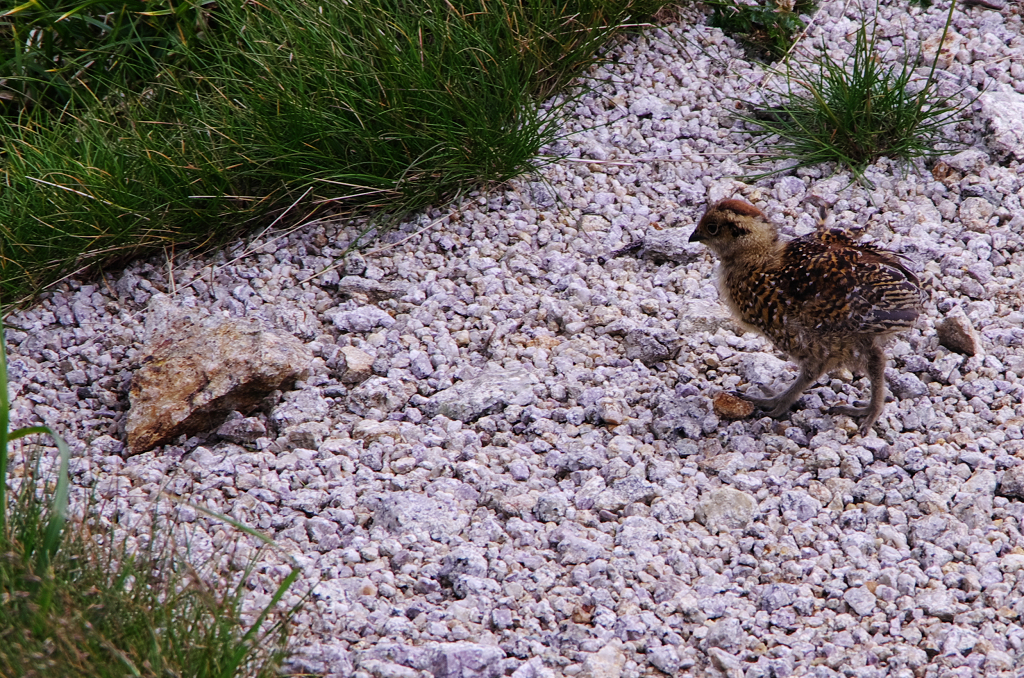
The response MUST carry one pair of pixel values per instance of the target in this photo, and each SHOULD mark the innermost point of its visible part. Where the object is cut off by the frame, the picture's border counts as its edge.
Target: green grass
(194, 126)
(76, 600)
(855, 111)
(51, 48)
(767, 29)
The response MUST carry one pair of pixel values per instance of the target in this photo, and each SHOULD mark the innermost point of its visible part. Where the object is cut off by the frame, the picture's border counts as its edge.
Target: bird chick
(824, 300)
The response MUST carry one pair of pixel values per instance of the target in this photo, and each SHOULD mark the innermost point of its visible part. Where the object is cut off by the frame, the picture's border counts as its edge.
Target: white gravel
(597, 518)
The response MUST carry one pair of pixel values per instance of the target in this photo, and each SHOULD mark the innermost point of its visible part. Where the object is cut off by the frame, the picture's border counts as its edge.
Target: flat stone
(702, 316)
(491, 391)
(726, 509)
(440, 660)
(404, 512)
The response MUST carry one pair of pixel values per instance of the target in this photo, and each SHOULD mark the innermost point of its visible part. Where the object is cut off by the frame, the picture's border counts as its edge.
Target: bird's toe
(864, 429)
(760, 403)
(777, 411)
(848, 410)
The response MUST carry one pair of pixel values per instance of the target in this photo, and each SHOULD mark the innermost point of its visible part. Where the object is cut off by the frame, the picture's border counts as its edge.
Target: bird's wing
(846, 287)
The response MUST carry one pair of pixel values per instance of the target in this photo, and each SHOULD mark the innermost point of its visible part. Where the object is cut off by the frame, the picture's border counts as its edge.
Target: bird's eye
(712, 228)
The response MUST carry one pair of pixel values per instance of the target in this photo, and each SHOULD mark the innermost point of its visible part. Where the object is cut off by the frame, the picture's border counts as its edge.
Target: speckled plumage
(823, 299)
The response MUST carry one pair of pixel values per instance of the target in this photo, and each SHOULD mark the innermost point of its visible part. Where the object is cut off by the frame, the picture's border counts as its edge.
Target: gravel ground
(515, 492)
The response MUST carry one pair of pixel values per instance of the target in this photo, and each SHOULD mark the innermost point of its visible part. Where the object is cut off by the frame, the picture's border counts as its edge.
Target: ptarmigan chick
(824, 300)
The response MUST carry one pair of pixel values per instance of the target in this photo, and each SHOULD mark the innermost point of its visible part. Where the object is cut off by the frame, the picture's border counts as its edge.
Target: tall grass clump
(50, 49)
(76, 600)
(855, 111)
(230, 112)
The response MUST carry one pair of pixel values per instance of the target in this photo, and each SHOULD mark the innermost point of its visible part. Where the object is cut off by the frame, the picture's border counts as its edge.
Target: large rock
(192, 375)
(492, 391)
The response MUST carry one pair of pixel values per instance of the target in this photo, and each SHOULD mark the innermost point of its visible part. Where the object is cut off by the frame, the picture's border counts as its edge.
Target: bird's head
(734, 228)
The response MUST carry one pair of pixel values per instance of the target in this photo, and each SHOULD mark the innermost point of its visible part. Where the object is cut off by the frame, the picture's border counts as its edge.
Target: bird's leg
(779, 404)
(876, 372)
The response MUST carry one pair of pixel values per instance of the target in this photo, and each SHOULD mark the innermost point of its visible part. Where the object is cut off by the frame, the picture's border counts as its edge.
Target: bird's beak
(696, 236)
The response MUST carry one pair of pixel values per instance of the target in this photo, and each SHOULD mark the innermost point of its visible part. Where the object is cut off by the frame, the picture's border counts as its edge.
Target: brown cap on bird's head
(719, 212)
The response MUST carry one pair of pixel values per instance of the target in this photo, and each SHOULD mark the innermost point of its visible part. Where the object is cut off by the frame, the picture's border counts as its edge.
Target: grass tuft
(208, 121)
(855, 111)
(50, 50)
(90, 601)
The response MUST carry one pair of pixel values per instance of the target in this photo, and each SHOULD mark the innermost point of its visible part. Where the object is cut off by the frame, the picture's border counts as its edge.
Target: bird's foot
(869, 413)
(849, 411)
(772, 407)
